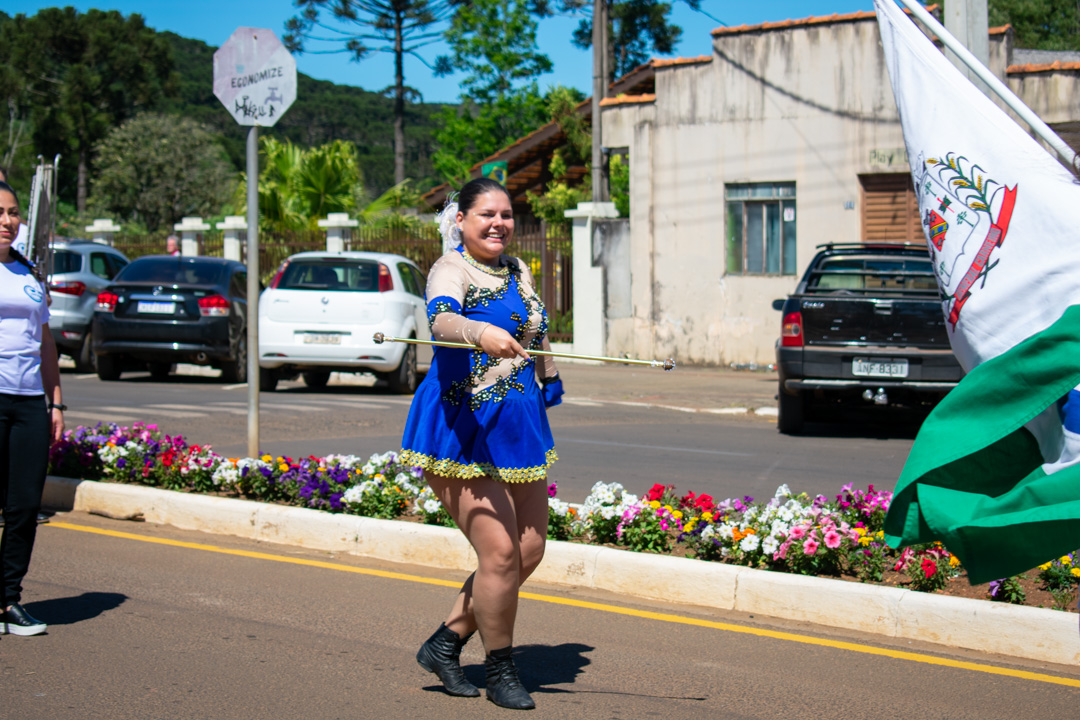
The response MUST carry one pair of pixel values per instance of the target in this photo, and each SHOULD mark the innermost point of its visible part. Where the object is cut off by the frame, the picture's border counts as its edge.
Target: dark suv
(864, 325)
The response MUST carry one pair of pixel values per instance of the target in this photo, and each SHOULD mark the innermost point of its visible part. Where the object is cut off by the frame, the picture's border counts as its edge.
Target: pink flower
(798, 532)
(810, 546)
(832, 539)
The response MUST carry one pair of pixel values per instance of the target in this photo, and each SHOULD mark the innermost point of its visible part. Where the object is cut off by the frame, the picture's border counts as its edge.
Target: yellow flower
(953, 561)
(1065, 560)
(677, 514)
(378, 477)
(689, 527)
(880, 534)
(266, 458)
(1075, 572)
(707, 517)
(655, 504)
(861, 531)
(1045, 566)
(668, 508)
(283, 467)
(864, 541)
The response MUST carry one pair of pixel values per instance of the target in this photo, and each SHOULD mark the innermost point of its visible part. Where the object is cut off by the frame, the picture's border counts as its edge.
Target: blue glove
(552, 390)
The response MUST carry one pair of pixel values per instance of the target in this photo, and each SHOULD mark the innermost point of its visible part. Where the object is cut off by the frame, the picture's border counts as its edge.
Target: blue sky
(213, 22)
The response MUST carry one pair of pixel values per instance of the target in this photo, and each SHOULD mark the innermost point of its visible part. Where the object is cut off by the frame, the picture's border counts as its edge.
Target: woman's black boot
(503, 686)
(440, 655)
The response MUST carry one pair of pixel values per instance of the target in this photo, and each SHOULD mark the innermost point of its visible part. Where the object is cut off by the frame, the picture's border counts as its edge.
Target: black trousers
(24, 461)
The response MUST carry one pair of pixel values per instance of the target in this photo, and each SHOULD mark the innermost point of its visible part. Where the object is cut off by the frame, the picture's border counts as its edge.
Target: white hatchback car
(322, 309)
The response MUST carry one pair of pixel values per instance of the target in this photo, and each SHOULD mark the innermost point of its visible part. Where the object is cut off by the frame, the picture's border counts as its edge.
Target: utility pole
(600, 83)
(967, 21)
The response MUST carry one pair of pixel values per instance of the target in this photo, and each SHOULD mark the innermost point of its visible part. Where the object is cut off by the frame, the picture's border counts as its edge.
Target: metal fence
(549, 258)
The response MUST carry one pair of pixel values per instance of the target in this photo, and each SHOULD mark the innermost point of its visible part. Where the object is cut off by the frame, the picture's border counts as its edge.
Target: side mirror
(778, 304)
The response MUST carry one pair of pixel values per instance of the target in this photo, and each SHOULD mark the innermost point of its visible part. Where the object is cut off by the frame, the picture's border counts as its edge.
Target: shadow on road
(543, 665)
(68, 611)
(539, 666)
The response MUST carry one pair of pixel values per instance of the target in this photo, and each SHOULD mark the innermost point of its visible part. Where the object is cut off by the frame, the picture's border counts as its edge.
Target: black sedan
(164, 309)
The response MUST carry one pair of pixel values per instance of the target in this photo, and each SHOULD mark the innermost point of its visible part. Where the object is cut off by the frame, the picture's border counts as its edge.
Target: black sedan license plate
(156, 308)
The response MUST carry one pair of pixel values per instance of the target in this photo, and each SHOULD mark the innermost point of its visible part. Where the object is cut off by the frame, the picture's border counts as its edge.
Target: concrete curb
(1023, 632)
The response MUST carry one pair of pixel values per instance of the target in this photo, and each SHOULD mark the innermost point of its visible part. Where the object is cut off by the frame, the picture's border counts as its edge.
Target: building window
(761, 229)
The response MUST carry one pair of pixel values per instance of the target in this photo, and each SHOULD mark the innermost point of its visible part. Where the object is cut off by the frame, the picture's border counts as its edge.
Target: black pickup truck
(864, 325)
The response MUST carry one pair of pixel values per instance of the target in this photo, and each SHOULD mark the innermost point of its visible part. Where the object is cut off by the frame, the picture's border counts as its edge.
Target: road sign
(254, 76)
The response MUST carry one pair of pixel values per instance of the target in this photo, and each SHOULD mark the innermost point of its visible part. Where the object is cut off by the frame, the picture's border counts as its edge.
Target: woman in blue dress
(478, 427)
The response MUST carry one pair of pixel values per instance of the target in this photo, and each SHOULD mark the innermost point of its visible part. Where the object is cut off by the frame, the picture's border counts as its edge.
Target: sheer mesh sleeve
(446, 289)
(545, 364)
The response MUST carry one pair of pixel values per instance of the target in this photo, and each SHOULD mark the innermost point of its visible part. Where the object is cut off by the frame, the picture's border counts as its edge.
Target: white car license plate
(322, 339)
(157, 308)
(879, 368)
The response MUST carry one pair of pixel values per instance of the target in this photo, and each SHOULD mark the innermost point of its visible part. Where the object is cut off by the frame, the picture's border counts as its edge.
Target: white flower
(225, 475)
(432, 506)
(353, 495)
(770, 545)
(560, 507)
(750, 543)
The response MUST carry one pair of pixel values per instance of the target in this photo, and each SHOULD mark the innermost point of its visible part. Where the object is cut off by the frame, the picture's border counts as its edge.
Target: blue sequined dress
(475, 415)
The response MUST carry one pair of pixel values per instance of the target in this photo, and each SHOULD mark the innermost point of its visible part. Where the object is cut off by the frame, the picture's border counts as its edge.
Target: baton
(668, 364)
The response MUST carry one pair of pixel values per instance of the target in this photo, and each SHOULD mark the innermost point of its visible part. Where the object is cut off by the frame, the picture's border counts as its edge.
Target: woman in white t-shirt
(31, 413)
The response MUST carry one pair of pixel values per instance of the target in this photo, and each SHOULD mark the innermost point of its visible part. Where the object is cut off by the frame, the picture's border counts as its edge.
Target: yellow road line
(602, 607)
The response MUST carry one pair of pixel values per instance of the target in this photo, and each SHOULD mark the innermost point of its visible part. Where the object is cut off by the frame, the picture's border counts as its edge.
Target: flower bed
(789, 532)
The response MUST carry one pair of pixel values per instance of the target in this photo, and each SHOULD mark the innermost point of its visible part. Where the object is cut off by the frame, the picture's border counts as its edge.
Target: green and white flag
(995, 470)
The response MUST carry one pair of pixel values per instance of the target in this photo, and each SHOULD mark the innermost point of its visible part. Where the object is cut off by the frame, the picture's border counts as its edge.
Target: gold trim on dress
(452, 469)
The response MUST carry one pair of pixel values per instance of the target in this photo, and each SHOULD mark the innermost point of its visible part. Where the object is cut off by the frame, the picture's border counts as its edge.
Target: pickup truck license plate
(322, 339)
(156, 308)
(865, 367)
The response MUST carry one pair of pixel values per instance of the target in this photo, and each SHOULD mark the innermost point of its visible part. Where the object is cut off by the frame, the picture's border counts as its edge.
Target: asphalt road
(696, 429)
(150, 622)
(699, 429)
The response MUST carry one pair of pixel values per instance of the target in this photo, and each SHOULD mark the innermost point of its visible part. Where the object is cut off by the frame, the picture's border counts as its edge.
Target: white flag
(992, 473)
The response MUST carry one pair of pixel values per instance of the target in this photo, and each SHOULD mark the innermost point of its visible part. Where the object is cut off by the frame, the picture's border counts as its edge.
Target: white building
(785, 138)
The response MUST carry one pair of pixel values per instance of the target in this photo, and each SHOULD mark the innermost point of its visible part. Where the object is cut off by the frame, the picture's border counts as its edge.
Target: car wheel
(316, 379)
(159, 370)
(403, 381)
(86, 360)
(791, 412)
(267, 380)
(235, 371)
(108, 367)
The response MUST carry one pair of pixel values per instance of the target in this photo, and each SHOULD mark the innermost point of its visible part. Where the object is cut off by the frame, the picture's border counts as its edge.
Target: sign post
(255, 79)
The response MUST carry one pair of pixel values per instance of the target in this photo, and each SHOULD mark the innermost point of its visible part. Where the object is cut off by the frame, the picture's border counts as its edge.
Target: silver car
(81, 269)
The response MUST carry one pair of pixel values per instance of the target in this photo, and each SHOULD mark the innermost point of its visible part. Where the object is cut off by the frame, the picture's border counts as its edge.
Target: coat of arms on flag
(994, 473)
(966, 214)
